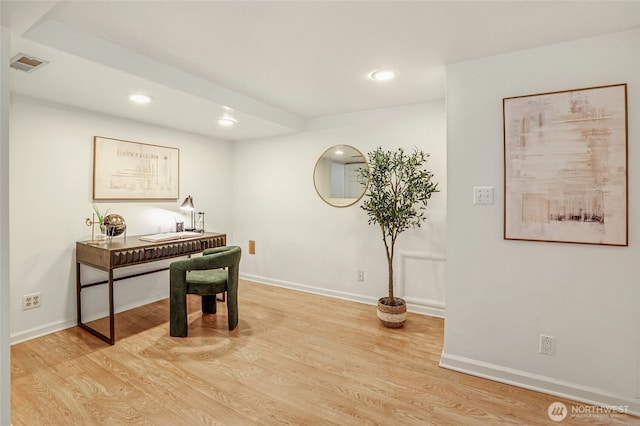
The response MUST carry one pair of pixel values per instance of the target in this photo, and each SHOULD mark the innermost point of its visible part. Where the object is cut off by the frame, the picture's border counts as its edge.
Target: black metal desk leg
(111, 339)
(78, 290)
(112, 328)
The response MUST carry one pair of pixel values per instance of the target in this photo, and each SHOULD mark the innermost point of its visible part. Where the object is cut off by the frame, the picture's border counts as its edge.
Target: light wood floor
(297, 359)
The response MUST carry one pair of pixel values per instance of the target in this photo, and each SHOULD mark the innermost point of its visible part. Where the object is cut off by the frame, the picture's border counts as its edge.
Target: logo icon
(557, 411)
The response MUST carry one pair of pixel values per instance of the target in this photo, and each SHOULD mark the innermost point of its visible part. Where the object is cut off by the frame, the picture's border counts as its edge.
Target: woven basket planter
(392, 316)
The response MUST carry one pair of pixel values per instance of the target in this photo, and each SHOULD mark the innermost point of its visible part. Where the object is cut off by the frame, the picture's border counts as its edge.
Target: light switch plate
(483, 195)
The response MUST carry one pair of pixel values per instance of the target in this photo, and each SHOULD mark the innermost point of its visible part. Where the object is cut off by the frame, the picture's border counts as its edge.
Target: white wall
(501, 295)
(51, 195)
(303, 243)
(5, 330)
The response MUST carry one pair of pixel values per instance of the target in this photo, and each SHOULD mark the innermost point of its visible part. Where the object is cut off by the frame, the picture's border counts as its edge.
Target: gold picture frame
(565, 166)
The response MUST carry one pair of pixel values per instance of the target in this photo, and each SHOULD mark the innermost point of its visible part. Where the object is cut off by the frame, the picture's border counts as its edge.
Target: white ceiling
(274, 65)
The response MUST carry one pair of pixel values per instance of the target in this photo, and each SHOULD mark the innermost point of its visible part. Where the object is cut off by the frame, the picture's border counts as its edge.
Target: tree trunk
(390, 264)
(389, 249)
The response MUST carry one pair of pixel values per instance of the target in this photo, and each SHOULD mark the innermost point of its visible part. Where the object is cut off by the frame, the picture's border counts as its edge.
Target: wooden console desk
(121, 253)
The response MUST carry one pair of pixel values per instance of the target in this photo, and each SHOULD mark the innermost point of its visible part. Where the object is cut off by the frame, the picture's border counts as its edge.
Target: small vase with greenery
(100, 216)
(399, 187)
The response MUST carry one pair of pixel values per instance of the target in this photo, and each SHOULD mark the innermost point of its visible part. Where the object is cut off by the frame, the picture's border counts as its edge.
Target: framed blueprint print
(124, 170)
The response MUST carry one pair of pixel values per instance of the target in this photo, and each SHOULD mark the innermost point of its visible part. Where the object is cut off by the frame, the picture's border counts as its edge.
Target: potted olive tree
(399, 187)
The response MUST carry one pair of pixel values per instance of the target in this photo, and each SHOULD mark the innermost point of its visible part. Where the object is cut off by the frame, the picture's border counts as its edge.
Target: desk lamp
(188, 206)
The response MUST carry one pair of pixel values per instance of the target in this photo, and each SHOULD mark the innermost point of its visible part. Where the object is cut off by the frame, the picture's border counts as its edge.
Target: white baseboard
(414, 305)
(43, 330)
(432, 308)
(538, 383)
(311, 289)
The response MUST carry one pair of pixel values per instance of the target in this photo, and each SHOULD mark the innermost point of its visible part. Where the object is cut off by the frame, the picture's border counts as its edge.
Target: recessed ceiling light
(339, 152)
(140, 98)
(227, 121)
(383, 75)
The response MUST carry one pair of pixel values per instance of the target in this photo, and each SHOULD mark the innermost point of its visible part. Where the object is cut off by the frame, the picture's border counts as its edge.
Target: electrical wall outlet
(30, 301)
(360, 275)
(547, 345)
(483, 195)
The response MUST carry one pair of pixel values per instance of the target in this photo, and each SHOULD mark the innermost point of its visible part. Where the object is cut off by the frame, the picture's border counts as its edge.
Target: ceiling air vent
(26, 63)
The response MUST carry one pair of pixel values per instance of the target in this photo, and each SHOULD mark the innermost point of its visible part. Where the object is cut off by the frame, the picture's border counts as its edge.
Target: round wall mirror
(336, 176)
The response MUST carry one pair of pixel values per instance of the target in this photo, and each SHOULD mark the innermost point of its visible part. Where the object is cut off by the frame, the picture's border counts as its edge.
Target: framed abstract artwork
(565, 166)
(124, 170)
